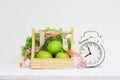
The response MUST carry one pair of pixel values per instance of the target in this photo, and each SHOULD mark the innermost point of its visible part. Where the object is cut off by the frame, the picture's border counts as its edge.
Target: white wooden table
(107, 71)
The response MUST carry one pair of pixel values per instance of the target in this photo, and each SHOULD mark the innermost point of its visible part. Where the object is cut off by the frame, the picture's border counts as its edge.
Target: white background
(18, 17)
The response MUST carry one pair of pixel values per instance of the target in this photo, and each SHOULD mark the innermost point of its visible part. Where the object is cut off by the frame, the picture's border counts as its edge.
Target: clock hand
(87, 55)
(89, 51)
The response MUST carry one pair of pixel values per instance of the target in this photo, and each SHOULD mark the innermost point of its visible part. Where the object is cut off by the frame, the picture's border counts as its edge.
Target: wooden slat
(33, 43)
(52, 63)
(72, 39)
(48, 32)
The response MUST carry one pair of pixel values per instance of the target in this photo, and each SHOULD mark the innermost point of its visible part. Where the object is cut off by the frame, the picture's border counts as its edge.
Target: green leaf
(23, 50)
(29, 56)
(69, 43)
(37, 37)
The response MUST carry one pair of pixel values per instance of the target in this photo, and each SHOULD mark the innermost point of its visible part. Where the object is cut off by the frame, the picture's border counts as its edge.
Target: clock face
(92, 53)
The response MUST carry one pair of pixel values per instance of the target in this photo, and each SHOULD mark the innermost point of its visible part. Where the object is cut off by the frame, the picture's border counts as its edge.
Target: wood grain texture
(52, 63)
(33, 44)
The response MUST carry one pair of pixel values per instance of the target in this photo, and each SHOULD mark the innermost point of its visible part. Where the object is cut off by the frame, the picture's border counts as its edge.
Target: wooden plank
(48, 32)
(33, 44)
(52, 63)
(72, 39)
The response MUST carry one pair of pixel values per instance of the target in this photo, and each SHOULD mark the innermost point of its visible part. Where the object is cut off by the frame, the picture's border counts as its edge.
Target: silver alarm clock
(91, 49)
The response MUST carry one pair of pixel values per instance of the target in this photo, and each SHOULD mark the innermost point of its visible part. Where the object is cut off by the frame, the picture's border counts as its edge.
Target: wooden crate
(50, 62)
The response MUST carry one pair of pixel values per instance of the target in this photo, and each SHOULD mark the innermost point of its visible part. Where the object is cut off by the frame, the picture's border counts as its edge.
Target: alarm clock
(91, 49)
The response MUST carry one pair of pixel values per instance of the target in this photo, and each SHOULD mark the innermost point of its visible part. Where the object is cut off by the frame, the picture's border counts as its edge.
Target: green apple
(54, 47)
(62, 55)
(44, 54)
